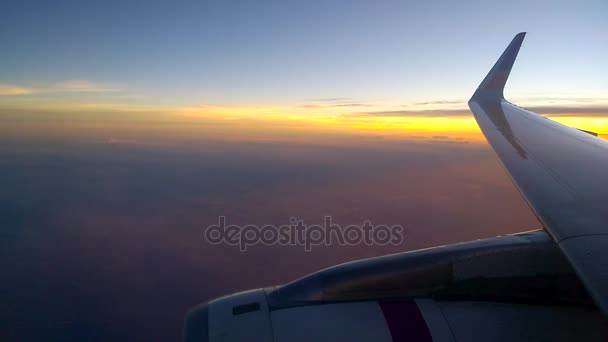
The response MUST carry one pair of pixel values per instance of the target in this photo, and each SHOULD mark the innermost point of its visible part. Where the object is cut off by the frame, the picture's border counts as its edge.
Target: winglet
(493, 85)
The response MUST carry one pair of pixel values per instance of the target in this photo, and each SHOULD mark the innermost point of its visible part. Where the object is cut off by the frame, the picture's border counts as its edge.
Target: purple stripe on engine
(405, 321)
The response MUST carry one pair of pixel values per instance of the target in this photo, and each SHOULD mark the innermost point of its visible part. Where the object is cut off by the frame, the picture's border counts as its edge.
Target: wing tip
(494, 82)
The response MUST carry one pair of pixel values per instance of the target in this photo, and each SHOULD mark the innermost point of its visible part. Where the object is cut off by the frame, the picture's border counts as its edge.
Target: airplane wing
(562, 172)
(496, 289)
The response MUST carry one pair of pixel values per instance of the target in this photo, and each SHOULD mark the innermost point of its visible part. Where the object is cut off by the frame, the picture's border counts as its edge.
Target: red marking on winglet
(405, 321)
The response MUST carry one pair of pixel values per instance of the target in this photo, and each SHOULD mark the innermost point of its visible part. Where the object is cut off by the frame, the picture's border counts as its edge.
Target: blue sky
(192, 53)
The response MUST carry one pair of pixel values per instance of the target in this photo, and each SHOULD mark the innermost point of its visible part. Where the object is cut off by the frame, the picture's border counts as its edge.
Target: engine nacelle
(500, 288)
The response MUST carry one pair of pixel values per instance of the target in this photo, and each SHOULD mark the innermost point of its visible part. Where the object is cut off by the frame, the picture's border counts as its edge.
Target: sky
(286, 53)
(126, 127)
(356, 66)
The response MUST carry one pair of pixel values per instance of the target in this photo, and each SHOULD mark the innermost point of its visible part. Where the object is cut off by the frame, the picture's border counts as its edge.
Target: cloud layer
(68, 86)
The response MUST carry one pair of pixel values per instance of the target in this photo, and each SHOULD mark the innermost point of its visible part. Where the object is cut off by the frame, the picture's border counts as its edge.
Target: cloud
(330, 99)
(599, 111)
(335, 105)
(8, 89)
(460, 102)
(121, 141)
(411, 113)
(332, 102)
(68, 86)
(556, 99)
(82, 86)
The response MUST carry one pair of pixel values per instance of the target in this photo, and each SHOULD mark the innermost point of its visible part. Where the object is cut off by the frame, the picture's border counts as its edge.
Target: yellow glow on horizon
(337, 120)
(595, 124)
(311, 124)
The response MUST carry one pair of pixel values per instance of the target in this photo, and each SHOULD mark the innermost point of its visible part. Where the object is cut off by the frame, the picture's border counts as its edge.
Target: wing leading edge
(562, 173)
